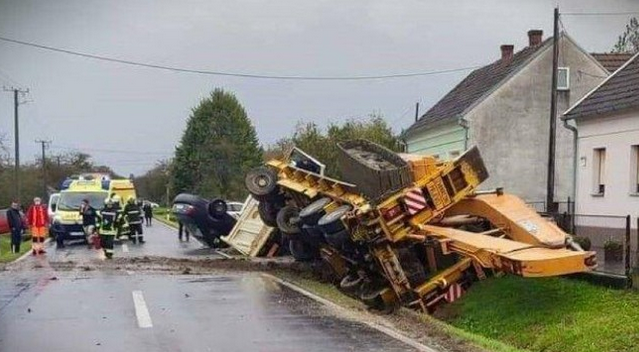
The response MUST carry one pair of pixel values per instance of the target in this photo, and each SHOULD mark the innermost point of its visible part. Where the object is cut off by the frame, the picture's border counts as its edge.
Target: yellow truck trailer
(414, 231)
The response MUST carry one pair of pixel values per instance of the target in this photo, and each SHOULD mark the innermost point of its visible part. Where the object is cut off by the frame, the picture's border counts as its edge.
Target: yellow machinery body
(514, 238)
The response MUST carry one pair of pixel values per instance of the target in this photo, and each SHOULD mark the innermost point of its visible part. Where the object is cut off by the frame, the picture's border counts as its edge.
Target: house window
(453, 154)
(634, 169)
(599, 171)
(563, 78)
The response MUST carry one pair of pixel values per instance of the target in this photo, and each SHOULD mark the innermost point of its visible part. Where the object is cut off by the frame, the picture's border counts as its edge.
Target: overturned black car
(205, 220)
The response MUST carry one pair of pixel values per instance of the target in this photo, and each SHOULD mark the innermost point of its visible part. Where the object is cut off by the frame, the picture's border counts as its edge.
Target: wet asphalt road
(46, 310)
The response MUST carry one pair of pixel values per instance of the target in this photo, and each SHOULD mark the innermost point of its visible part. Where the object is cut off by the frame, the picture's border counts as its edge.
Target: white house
(607, 177)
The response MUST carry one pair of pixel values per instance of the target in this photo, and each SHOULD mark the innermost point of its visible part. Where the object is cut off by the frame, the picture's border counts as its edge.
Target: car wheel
(314, 211)
(261, 182)
(217, 208)
(268, 213)
(301, 251)
(288, 220)
(332, 222)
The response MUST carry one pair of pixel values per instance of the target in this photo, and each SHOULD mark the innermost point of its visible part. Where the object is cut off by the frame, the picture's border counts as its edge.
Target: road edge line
(344, 313)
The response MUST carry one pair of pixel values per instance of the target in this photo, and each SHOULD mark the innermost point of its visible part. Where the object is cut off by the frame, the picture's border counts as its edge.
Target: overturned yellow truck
(408, 229)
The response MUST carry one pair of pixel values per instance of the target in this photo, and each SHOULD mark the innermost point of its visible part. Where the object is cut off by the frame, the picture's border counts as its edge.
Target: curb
(343, 312)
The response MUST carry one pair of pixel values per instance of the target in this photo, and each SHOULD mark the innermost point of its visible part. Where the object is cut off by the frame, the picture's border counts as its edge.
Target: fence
(610, 236)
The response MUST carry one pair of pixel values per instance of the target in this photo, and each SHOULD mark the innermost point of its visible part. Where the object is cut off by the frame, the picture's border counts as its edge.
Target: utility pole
(16, 171)
(44, 145)
(416, 111)
(550, 185)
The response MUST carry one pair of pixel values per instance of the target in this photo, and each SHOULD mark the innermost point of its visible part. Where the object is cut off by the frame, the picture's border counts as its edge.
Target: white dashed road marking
(125, 248)
(141, 311)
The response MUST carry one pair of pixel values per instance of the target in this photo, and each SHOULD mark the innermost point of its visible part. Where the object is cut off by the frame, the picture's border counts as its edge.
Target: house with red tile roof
(504, 109)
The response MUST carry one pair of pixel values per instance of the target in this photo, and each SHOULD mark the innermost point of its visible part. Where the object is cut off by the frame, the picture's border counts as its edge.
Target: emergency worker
(117, 205)
(108, 229)
(89, 220)
(133, 216)
(37, 219)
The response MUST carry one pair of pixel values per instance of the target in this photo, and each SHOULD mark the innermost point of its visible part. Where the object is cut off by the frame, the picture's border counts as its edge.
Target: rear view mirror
(53, 207)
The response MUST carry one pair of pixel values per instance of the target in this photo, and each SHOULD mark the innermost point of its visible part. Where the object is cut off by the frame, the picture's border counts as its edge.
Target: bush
(584, 242)
(612, 245)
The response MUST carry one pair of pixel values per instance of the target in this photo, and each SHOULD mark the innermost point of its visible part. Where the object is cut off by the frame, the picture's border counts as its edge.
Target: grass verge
(160, 214)
(549, 314)
(5, 249)
(411, 322)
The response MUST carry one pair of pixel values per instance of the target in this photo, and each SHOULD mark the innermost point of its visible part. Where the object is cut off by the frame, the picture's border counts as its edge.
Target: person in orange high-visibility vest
(37, 220)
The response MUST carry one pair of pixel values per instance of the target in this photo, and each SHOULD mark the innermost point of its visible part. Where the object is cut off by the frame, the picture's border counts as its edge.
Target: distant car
(4, 223)
(235, 209)
(153, 205)
(206, 220)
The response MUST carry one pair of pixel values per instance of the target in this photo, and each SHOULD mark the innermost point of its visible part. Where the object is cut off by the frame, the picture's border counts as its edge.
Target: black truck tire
(310, 214)
(268, 213)
(332, 222)
(288, 220)
(261, 182)
(301, 251)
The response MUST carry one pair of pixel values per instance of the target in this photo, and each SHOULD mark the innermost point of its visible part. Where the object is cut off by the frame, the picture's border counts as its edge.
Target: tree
(217, 148)
(323, 145)
(153, 184)
(628, 41)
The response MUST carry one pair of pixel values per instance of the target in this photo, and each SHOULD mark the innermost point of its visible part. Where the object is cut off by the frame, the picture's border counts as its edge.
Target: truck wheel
(301, 251)
(337, 239)
(332, 222)
(314, 211)
(268, 213)
(288, 220)
(261, 182)
(351, 284)
(217, 208)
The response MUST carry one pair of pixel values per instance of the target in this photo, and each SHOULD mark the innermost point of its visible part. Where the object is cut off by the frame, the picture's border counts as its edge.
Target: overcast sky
(104, 108)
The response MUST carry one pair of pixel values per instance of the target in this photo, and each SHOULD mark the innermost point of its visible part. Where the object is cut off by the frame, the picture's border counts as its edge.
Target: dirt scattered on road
(417, 326)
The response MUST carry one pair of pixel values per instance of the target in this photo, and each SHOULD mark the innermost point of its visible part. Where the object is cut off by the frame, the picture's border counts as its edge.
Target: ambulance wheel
(310, 214)
(217, 208)
(332, 222)
(288, 220)
(261, 182)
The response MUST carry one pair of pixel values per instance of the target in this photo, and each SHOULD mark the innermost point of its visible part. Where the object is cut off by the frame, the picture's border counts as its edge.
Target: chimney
(535, 37)
(507, 51)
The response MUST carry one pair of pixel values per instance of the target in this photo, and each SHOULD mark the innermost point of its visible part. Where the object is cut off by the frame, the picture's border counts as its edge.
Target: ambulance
(67, 221)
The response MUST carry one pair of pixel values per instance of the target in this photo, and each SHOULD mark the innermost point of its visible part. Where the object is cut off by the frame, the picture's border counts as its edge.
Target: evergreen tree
(217, 148)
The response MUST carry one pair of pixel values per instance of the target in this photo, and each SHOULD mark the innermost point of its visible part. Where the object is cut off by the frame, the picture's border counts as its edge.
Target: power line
(110, 150)
(600, 13)
(237, 74)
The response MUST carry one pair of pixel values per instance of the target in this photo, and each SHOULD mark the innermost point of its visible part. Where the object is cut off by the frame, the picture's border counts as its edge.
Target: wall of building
(617, 133)
(440, 141)
(510, 127)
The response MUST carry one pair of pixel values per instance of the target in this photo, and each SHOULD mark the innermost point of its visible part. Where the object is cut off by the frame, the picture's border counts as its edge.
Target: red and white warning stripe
(455, 291)
(414, 200)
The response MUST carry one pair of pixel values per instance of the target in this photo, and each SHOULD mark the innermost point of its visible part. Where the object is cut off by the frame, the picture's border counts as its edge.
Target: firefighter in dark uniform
(108, 226)
(133, 216)
(117, 205)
